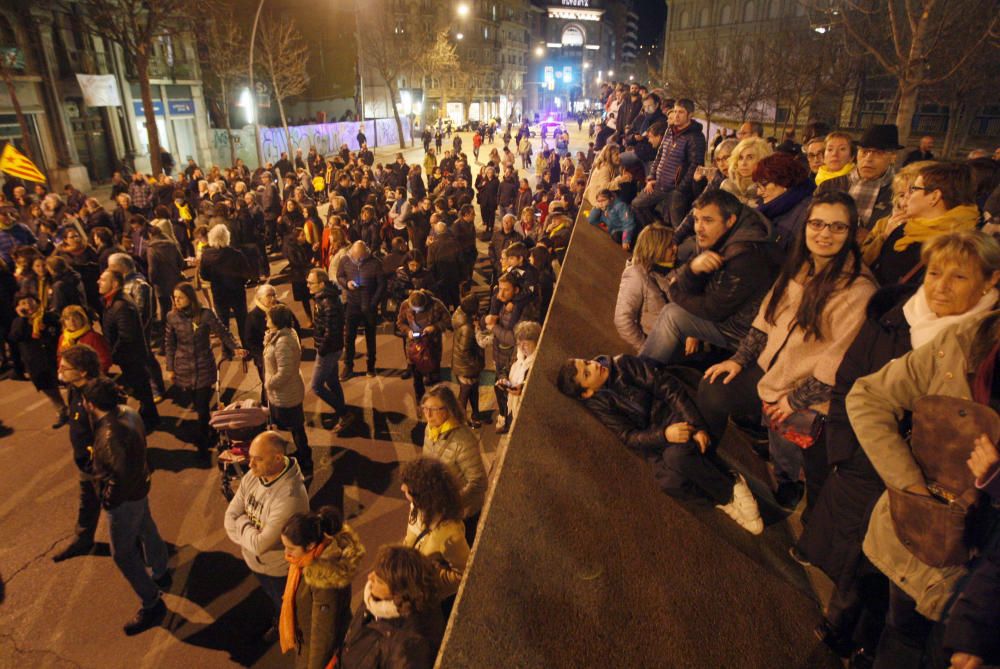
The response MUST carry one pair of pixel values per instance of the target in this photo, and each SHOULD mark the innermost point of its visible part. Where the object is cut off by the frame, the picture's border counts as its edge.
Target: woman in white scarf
(962, 270)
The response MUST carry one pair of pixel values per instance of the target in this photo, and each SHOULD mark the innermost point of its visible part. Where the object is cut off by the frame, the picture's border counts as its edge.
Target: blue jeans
(131, 525)
(326, 382)
(673, 325)
(274, 588)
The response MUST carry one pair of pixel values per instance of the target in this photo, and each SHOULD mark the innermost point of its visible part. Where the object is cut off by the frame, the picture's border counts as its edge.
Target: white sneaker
(743, 508)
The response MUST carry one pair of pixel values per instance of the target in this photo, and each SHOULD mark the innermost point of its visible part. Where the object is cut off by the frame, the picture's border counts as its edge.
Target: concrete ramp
(582, 562)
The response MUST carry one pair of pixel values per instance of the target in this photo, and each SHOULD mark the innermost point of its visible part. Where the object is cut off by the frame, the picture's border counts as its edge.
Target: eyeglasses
(430, 409)
(837, 227)
(914, 189)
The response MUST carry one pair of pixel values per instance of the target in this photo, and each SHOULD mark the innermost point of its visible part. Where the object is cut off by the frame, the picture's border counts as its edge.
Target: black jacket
(368, 279)
(120, 457)
(328, 320)
(884, 336)
(81, 429)
(166, 266)
(975, 618)
(408, 642)
(227, 269)
(122, 328)
(639, 401)
(730, 296)
(508, 192)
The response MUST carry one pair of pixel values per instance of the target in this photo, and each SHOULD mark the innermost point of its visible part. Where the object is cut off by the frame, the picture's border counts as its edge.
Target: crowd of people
(147, 297)
(840, 312)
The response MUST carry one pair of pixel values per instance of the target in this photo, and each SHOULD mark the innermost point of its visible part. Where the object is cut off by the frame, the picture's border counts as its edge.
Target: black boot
(145, 619)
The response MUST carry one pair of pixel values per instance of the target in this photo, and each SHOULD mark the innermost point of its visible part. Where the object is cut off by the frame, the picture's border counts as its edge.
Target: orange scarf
(286, 621)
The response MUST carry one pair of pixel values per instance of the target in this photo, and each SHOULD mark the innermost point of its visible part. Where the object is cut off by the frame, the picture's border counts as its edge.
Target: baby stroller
(237, 424)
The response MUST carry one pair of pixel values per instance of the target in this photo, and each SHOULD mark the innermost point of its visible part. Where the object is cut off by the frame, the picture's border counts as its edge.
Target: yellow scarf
(957, 219)
(824, 174)
(184, 211)
(69, 337)
(38, 318)
(436, 433)
(286, 621)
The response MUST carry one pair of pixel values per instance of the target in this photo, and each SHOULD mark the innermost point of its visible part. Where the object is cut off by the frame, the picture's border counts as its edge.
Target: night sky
(652, 15)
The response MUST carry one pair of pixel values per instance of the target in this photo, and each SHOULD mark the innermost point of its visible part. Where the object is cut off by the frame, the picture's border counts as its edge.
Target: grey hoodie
(258, 513)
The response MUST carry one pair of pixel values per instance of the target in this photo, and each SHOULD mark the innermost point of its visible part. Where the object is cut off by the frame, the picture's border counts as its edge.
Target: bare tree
(135, 26)
(919, 42)
(390, 48)
(226, 65)
(752, 74)
(694, 72)
(965, 96)
(284, 55)
(438, 63)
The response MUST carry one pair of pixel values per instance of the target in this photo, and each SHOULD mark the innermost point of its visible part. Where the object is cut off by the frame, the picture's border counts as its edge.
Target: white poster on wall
(99, 90)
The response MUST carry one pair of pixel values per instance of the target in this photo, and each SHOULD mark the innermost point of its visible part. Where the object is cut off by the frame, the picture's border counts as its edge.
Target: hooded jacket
(258, 512)
(188, 347)
(677, 157)
(323, 600)
(392, 642)
(641, 295)
(730, 296)
(467, 358)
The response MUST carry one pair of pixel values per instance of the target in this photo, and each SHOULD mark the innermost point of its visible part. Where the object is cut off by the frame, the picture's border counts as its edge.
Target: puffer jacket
(639, 401)
(188, 347)
(467, 358)
(445, 545)
(328, 320)
(323, 600)
(459, 449)
(282, 358)
(679, 154)
(730, 296)
(941, 367)
(368, 278)
(642, 294)
(119, 460)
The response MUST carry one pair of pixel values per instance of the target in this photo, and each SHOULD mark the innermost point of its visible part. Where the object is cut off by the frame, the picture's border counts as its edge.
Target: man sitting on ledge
(651, 412)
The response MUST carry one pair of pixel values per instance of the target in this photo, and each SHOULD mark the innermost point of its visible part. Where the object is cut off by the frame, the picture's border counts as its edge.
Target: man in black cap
(870, 182)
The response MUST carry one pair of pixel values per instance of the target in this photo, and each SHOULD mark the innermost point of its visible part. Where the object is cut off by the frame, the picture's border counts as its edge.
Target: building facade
(79, 144)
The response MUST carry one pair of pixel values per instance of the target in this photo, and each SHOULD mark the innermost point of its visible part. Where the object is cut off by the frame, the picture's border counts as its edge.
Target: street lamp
(611, 73)
(586, 66)
(462, 10)
(539, 51)
(459, 36)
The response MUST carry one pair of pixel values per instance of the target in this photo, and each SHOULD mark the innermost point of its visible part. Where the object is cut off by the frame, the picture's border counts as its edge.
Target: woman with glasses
(941, 199)
(451, 441)
(190, 362)
(789, 359)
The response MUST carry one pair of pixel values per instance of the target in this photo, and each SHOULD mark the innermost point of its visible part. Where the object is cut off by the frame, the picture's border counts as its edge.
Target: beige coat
(459, 449)
(282, 359)
(447, 548)
(641, 296)
(800, 358)
(875, 406)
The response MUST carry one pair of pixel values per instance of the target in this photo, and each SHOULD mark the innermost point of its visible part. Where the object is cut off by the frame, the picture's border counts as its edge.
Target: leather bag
(935, 529)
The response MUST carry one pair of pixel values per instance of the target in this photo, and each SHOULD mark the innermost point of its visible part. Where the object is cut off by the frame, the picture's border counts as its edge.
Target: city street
(70, 614)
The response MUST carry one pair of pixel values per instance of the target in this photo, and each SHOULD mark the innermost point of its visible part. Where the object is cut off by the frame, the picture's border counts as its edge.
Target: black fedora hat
(883, 137)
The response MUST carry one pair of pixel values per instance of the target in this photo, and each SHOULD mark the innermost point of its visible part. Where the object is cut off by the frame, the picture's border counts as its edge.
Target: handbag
(421, 355)
(802, 428)
(935, 528)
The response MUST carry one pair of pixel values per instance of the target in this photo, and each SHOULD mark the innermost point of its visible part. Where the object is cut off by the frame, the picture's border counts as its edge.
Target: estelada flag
(16, 164)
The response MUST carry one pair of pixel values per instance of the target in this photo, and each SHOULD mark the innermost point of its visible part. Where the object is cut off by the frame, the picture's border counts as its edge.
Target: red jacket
(95, 341)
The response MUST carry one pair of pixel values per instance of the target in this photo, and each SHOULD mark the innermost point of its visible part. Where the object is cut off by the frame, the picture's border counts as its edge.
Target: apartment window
(774, 11)
(749, 12)
(706, 17)
(727, 14)
(685, 19)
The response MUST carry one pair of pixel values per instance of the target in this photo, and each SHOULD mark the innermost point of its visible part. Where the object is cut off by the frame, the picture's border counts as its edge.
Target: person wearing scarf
(837, 157)
(942, 200)
(742, 163)
(323, 555)
(77, 329)
(786, 190)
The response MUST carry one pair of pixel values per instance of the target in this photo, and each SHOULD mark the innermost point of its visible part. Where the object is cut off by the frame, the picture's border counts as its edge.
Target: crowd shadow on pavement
(236, 631)
(350, 467)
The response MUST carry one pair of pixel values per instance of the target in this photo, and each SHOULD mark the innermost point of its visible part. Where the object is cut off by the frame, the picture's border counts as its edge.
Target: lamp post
(253, 90)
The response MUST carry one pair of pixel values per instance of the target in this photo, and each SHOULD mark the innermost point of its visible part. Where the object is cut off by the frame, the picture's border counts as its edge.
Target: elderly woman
(642, 292)
(959, 362)
(227, 270)
(77, 329)
(742, 162)
(962, 271)
(790, 356)
(526, 335)
(450, 440)
(785, 190)
(941, 200)
(190, 361)
(606, 173)
(838, 157)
